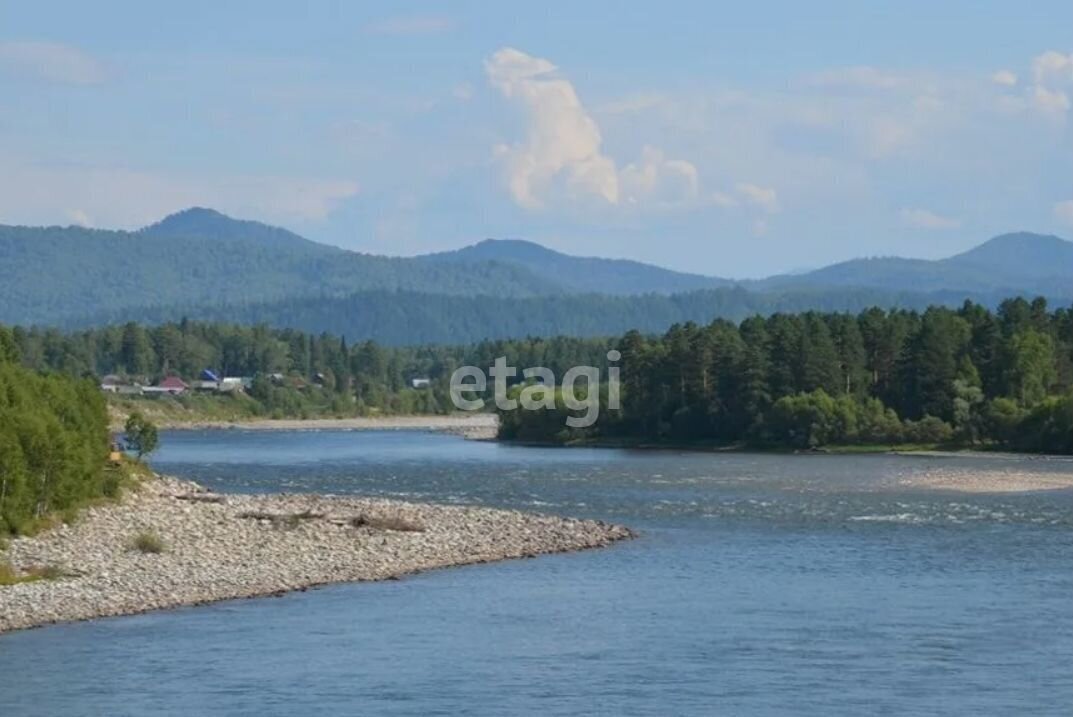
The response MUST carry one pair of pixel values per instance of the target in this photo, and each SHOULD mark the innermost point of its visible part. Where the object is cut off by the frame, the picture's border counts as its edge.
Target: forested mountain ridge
(199, 262)
(53, 274)
(407, 318)
(211, 224)
(589, 275)
(1010, 264)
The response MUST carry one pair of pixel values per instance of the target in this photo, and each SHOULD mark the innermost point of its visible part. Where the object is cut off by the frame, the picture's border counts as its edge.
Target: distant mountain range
(576, 274)
(1010, 263)
(203, 264)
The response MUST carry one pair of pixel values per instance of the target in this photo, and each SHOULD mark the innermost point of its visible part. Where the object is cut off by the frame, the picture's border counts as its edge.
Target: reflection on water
(761, 585)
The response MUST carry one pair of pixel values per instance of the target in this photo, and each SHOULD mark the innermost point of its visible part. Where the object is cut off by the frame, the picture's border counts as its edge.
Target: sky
(730, 139)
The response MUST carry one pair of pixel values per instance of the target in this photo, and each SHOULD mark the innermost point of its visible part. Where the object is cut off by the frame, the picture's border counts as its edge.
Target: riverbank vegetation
(53, 444)
(942, 377)
(290, 374)
(953, 378)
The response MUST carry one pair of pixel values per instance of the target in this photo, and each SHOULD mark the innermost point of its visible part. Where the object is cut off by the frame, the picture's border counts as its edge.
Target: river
(760, 585)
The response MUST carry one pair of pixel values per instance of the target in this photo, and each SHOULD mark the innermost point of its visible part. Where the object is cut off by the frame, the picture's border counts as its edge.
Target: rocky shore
(172, 543)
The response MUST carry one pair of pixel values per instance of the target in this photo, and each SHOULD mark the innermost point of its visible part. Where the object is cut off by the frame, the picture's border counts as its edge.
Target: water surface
(761, 585)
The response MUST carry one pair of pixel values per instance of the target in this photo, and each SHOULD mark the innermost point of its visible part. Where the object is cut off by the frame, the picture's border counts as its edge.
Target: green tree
(1031, 367)
(141, 434)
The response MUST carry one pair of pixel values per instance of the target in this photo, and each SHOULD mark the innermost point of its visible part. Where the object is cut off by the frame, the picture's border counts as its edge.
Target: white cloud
(924, 219)
(666, 180)
(1051, 66)
(763, 198)
(561, 157)
(411, 25)
(128, 198)
(1052, 76)
(52, 61)
(723, 199)
(80, 218)
(1047, 100)
(858, 78)
(1006, 78)
(1063, 211)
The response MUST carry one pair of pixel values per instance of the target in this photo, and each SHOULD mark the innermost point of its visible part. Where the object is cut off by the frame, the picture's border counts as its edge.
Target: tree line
(294, 374)
(968, 376)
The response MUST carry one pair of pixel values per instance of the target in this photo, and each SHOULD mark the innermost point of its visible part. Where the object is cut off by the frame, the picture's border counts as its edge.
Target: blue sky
(732, 139)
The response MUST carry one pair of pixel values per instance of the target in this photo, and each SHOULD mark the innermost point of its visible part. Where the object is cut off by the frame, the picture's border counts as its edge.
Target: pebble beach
(172, 543)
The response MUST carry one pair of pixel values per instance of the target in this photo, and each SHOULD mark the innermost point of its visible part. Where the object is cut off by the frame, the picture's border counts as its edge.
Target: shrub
(149, 543)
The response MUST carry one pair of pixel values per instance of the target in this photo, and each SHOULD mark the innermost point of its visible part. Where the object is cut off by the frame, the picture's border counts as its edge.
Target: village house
(171, 386)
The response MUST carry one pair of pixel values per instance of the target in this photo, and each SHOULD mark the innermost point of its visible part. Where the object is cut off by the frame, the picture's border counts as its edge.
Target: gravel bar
(220, 547)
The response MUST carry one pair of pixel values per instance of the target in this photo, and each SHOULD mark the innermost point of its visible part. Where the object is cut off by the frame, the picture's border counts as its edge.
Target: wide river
(760, 585)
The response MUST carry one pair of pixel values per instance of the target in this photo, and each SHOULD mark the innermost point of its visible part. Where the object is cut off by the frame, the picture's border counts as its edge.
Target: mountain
(580, 274)
(201, 263)
(1010, 263)
(1021, 256)
(53, 274)
(211, 224)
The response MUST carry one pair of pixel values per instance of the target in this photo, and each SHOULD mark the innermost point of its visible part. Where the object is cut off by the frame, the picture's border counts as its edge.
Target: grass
(9, 576)
(149, 543)
(387, 523)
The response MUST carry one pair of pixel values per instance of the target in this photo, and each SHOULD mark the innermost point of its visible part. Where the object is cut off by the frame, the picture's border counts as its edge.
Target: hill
(199, 262)
(1007, 264)
(580, 274)
(52, 274)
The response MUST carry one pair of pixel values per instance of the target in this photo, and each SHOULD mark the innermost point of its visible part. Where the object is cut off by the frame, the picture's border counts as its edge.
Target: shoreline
(217, 547)
(473, 426)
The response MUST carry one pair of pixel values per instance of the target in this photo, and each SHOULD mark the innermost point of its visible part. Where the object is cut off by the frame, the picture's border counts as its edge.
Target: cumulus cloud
(52, 62)
(561, 156)
(655, 176)
(1006, 78)
(128, 198)
(411, 25)
(924, 219)
(1063, 211)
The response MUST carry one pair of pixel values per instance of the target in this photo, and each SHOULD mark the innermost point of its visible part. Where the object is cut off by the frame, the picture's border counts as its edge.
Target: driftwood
(387, 523)
(201, 497)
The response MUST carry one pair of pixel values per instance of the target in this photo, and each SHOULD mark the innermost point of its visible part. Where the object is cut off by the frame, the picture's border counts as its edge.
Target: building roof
(172, 382)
